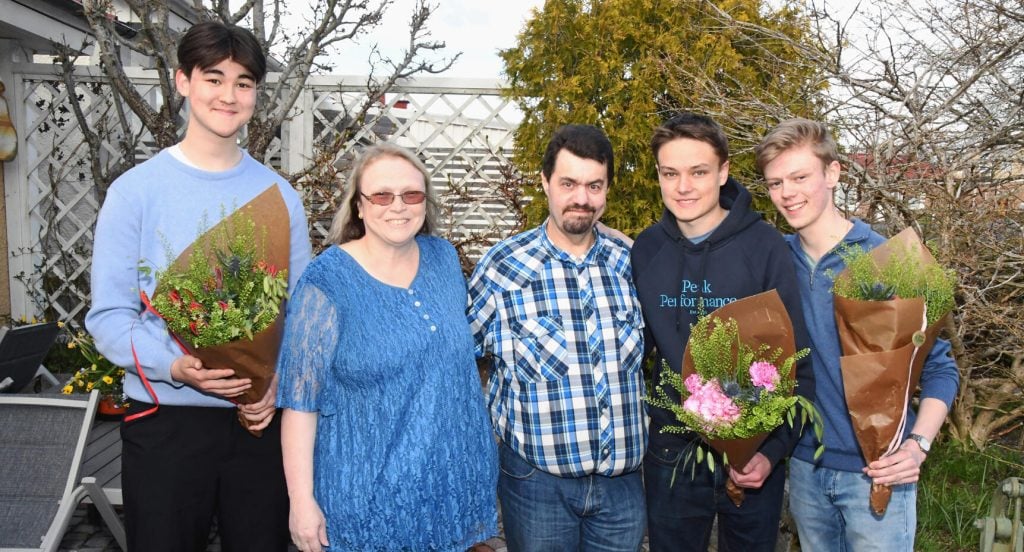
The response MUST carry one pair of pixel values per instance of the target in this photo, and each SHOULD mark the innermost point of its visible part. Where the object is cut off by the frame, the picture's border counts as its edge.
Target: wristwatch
(922, 442)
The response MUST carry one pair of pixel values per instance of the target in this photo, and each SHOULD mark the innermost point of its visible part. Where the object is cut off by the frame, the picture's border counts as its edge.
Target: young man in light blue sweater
(829, 499)
(190, 460)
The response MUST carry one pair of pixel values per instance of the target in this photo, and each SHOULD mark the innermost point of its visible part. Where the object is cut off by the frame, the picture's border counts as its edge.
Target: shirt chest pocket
(629, 326)
(540, 348)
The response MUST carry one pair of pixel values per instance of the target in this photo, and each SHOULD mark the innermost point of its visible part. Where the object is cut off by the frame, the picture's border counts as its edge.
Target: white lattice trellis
(461, 129)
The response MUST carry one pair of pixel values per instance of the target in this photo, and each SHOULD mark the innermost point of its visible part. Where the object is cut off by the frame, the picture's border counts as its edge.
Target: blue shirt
(566, 335)
(404, 456)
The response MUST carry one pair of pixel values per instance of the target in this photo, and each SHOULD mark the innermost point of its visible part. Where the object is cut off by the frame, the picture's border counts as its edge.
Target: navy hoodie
(743, 256)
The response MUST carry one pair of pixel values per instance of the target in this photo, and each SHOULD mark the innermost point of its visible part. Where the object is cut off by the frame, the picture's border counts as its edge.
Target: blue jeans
(546, 513)
(681, 508)
(832, 511)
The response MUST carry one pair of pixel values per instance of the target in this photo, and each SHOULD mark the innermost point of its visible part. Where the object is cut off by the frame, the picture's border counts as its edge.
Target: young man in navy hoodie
(708, 248)
(830, 500)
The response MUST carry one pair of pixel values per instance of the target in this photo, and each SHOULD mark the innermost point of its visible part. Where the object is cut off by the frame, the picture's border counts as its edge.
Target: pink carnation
(693, 383)
(764, 374)
(709, 402)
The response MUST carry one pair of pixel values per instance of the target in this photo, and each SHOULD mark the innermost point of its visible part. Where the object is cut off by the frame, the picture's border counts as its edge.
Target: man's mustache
(586, 208)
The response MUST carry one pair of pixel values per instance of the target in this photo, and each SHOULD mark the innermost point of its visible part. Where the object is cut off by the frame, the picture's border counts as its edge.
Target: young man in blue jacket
(708, 248)
(829, 499)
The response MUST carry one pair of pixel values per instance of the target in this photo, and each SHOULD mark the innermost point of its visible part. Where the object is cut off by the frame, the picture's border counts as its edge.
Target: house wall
(5, 287)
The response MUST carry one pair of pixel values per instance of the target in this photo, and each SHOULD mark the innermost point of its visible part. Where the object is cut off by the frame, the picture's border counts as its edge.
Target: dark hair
(211, 42)
(586, 141)
(695, 127)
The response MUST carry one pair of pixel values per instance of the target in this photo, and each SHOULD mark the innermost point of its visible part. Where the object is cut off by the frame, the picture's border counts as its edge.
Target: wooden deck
(102, 459)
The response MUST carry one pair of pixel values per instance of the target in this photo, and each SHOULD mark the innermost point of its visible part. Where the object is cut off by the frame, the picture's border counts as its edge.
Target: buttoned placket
(588, 305)
(421, 311)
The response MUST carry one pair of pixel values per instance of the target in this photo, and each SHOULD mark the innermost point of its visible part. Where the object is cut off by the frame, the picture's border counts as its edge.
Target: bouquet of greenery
(737, 382)
(99, 373)
(221, 298)
(222, 295)
(890, 304)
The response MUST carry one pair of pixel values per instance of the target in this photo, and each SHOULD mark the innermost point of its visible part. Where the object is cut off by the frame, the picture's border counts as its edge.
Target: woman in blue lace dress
(386, 440)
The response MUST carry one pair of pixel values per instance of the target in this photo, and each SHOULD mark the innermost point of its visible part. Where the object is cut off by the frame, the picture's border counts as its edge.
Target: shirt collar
(598, 252)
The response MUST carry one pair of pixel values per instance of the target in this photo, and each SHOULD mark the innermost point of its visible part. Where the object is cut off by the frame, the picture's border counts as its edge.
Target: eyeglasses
(387, 198)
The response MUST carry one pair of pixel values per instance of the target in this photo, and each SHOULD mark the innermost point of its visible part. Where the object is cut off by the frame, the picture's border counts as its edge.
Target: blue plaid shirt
(567, 339)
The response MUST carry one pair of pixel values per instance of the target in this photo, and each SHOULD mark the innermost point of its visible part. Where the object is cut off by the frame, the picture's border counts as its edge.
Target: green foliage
(625, 64)
(719, 354)
(955, 489)
(222, 295)
(903, 275)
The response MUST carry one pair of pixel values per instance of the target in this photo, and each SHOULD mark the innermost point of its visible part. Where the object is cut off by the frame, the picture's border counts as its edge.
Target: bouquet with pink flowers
(737, 381)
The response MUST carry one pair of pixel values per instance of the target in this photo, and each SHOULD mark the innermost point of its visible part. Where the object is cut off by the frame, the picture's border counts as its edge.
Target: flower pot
(109, 409)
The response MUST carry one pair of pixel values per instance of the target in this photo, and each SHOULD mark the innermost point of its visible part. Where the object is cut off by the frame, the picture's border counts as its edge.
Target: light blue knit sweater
(150, 215)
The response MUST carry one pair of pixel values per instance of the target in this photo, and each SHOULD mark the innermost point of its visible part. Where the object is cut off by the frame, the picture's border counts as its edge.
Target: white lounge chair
(43, 439)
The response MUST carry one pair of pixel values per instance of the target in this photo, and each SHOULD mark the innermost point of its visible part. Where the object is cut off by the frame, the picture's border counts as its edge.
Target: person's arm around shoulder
(604, 229)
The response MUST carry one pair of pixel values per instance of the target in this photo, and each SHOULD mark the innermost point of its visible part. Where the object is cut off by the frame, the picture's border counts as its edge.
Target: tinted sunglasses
(387, 198)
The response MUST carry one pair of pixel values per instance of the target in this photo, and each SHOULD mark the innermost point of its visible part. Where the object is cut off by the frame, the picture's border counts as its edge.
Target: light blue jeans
(833, 514)
(545, 513)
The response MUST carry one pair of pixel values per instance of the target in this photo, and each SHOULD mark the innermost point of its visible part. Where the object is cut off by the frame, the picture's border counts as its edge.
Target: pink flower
(764, 374)
(709, 402)
(693, 383)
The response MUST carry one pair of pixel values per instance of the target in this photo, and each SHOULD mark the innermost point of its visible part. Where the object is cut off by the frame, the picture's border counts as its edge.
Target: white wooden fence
(461, 129)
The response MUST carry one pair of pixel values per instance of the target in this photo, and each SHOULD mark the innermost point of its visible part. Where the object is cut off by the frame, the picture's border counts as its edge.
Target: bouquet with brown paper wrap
(221, 297)
(737, 382)
(890, 304)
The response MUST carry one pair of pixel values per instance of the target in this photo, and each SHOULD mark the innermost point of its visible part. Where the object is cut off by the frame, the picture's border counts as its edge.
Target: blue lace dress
(404, 456)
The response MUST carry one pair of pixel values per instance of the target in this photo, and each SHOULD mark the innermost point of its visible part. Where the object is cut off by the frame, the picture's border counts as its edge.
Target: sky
(477, 28)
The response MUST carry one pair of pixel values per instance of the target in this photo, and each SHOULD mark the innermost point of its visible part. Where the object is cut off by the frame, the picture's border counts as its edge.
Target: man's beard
(576, 222)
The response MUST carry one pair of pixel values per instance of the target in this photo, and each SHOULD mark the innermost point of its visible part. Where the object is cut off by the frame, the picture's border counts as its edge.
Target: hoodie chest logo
(689, 297)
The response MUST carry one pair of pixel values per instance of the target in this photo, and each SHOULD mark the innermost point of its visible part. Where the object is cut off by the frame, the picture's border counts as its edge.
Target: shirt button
(417, 303)
(426, 317)
(411, 292)
(433, 328)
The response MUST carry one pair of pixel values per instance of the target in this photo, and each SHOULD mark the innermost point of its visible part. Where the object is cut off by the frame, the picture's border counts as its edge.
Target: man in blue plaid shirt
(556, 308)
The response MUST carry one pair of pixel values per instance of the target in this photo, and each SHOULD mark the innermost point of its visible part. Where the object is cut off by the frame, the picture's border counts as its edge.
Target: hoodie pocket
(541, 350)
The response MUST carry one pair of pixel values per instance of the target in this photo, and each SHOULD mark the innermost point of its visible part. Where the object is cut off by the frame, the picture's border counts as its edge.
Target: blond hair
(346, 226)
(795, 133)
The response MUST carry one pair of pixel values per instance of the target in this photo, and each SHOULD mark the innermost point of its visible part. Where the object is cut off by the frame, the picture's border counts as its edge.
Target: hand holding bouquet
(737, 381)
(890, 304)
(221, 298)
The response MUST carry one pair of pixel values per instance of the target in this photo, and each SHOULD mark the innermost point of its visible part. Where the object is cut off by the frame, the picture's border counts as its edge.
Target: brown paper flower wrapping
(761, 319)
(255, 359)
(877, 343)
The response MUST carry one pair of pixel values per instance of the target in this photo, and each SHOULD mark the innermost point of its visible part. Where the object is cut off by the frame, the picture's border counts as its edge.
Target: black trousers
(183, 465)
